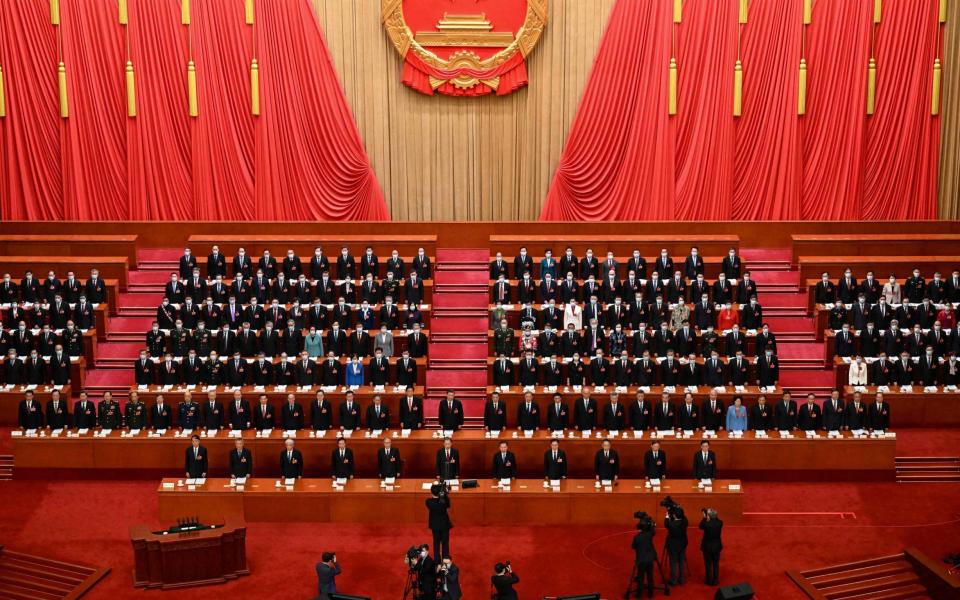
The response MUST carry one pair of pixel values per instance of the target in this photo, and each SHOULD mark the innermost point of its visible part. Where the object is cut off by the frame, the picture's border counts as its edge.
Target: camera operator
(676, 524)
(503, 582)
(711, 545)
(646, 554)
(439, 520)
(448, 580)
(327, 570)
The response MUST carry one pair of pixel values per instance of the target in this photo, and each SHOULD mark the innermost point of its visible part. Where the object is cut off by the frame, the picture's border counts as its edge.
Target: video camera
(644, 521)
(412, 558)
(674, 511)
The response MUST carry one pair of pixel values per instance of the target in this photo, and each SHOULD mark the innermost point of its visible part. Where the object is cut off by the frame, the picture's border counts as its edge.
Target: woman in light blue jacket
(313, 343)
(737, 416)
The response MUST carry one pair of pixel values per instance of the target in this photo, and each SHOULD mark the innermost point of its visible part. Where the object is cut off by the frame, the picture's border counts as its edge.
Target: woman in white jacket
(573, 314)
(858, 371)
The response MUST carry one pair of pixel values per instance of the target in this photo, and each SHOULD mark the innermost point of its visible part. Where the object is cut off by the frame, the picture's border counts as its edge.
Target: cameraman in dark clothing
(711, 545)
(646, 554)
(439, 521)
(676, 523)
(503, 582)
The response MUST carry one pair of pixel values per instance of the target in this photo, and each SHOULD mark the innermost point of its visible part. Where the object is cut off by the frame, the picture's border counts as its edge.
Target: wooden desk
(10, 401)
(916, 408)
(110, 267)
(712, 265)
(748, 458)
(892, 244)
(304, 245)
(191, 558)
(364, 501)
(78, 369)
(749, 339)
(648, 245)
(751, 367)
(71, 245)
(813, 266)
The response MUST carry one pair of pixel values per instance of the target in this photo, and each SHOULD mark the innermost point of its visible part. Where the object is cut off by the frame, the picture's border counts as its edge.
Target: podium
(202, 557)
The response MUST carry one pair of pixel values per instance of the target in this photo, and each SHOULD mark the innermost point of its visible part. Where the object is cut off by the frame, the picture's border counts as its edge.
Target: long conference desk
(366, 501)
(796, 458)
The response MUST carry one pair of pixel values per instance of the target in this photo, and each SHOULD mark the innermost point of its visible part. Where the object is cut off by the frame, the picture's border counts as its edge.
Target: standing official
(195, 463)
(241, 461)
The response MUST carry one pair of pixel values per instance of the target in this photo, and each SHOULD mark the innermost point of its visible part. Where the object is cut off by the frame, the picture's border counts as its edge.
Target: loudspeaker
(738, 591)
(469, 484)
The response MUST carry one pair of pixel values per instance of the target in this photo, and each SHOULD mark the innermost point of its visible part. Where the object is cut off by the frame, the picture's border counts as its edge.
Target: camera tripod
(633, 587)
(411, 589)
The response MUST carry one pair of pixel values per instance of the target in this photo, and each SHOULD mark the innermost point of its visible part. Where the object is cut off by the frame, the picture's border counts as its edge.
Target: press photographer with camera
(503, 581)
(438, 519)
(448, 580)
(421, 574)
(327, 570)
(676, 524)
(711, 545)
(646, 554)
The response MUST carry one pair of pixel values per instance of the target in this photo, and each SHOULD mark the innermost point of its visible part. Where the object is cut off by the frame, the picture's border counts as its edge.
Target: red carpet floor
(87, 521)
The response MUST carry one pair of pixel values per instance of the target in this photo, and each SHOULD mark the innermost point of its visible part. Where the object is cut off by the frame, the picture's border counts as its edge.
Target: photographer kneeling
(711, 545)
(646, 554)
(676, 523)
(503, 582)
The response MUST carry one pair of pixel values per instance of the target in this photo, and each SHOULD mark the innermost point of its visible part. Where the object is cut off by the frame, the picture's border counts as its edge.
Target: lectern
(169, 560)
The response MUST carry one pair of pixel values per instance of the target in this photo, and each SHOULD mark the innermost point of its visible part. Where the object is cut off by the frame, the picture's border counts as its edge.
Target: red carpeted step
(477, 255)
(441, 324)
(103, 379)
(454, 350)
(766, 254)
(138, 325)
(163, 254)
(818, 378)
(139, 277)
(476, 277)
(798, 300)
(800, 351)
(113, 350)
(448, 300)
(776, 277)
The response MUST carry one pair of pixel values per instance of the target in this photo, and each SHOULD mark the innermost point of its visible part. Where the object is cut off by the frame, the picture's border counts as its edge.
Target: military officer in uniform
(135, 413)
(108, 412)
(188, 413)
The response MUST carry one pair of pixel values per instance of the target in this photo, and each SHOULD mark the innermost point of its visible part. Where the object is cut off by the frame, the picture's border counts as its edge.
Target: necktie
(554, 455)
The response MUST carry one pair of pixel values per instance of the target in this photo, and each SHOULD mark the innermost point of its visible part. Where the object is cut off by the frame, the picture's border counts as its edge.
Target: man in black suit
(195, 463)
(504, 463)
(448, 461)
(411, 410)
(785, 413)
(585, 412)
(438, 520)
(341, 461)
(291, 461)
(238, 412)
(606, 463)
(614, 415)
(450, 413)
(349, 413)
(321, 414)
(161, 415)
(878, 414)
(389, 464)
(378, 415)
(495, 414)
(664, 414)
(558, 414)
(57, 415)
(833, 411)
(528, 414)
(711, 545)
(263, 414)
(554, 462)
(705, 462)
(241, 461)
(655, 462)
(291, 415)
(29, 414)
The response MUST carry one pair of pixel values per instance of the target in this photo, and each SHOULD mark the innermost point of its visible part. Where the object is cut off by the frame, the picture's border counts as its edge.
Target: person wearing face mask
(858, 371)
(847, 287)
(947, 318)
(693, 264)
(914, 288)
(937, 289)
(422, 265)
(882, 371)
(768, 369)
(522, 263)
(637, 264)
(862, 312)
(751, 314)
(869, 340)
(892, 292)
(9, 291)
(589, 265)
(679, 313)
(722, 291)
(731, 264)
(664, 265)
(925, 314)
(548, 265)
(824, 292)
(938, 339)
(929, 367)
(746, 289)
(727, 317)
(526, 289)
(870, 288)
(845, 342)
(319, 263)
(292, 265)
(346, 264)
(950, 374)
(766, 340)
(903, 370)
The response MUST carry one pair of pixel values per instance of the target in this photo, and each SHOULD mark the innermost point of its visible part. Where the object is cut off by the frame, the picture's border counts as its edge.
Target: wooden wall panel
(949, 201)
(441, 158)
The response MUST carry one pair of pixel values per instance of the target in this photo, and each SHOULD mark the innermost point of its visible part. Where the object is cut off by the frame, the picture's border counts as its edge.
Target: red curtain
(93, 138)
(311, 164)
(771, 163)
(837, 55)
(302, 159)
(158, 139)
(706, 50)
(903, 139)
(618, 162)
(31, 187)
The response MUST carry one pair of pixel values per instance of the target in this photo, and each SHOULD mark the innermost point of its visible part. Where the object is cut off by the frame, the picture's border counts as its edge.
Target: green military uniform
(135, 415)
(496, 315)
(108, 414)
(503, 341)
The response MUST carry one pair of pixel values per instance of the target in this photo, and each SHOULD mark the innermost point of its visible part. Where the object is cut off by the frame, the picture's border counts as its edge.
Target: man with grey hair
(711, 545)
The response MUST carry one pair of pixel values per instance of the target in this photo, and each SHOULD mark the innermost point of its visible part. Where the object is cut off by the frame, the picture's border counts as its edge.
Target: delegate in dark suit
(655, 464)
(705, 465)
(241, 463)
(291, 464)
(195, 463)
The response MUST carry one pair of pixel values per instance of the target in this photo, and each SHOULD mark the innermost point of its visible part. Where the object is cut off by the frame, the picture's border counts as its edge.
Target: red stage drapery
(771, 163)
(618, 160)
(98, 164)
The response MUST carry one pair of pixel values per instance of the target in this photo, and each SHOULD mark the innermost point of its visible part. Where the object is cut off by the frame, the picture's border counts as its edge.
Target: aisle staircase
(928, 469)
(27, 577)
(6, 467)
(457, 355)
(905, 576)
